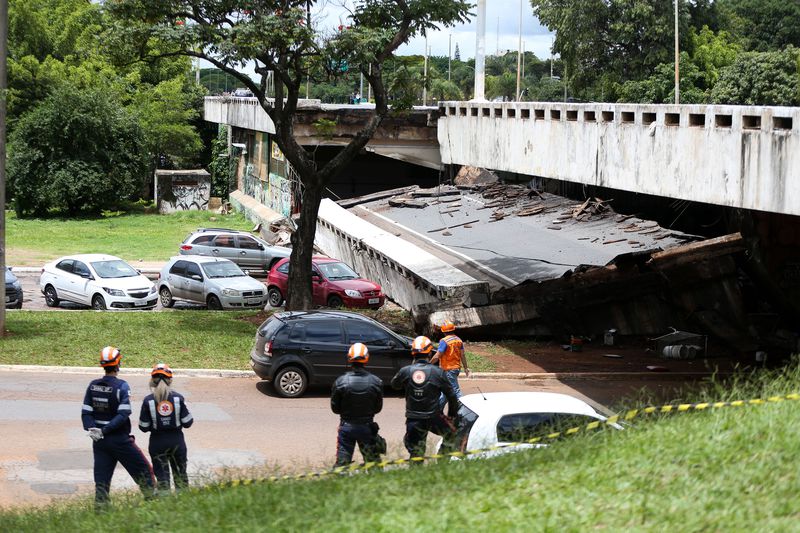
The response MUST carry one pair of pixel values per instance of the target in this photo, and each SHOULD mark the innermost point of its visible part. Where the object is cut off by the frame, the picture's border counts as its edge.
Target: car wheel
(166, 297)
(290, 382)
(335, 301)
(98, 303)
(275, 296)
(51, 296)
(213, 303)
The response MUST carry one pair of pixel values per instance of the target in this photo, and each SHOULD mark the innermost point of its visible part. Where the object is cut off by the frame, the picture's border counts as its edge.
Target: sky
(502, 30)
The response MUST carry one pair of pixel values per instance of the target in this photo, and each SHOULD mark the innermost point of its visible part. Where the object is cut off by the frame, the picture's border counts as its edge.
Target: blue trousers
(452, 377)
(113, 449)
(417, 433)
(349, 435)
(168, 450)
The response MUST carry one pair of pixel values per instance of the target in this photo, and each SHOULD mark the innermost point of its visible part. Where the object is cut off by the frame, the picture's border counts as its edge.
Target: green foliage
(764, 25)
(222, 164)
(760, 78)
(78, 151)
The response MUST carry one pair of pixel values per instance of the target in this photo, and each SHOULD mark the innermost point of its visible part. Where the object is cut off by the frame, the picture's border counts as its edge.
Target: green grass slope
(731, 469)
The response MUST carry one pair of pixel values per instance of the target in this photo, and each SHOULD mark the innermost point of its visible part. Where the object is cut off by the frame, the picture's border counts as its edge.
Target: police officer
(106, 416)
(357, 396)
(423, 384)
(164, 414)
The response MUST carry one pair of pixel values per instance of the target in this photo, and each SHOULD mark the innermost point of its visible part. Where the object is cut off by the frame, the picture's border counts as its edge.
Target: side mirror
(260, 246)
(86, 275)
(196, 277)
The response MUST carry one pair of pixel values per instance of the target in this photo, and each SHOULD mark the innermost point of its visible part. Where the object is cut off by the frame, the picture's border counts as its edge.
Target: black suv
(297, 348)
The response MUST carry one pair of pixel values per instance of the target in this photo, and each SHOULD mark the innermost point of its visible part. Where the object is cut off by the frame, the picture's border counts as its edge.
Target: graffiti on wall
(280, 193)
(183, 192)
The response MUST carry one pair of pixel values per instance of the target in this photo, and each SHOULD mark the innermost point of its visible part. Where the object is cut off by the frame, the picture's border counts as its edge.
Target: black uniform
(165, 421)
(424, 384)
(107, 405)
(357, 396)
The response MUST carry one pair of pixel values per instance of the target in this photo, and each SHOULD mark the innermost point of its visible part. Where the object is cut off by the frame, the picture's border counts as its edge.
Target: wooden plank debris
(453, 226)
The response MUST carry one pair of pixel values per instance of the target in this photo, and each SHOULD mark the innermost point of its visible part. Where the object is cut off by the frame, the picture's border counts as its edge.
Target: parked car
(217, 283)
(334, 283)
(493, 418)
(298, 348)
(244, 249)
(14, 294)
(101, 281)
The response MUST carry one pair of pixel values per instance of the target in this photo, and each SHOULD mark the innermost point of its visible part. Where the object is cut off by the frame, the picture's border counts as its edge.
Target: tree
(78, 151)
(764, 25)
(275, 36)
(760, 78)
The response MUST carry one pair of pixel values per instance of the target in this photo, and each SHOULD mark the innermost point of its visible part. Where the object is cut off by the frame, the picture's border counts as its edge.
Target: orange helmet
(358, 353)
(161, 369)
(110, 356)
(421, 345)
(448, 326)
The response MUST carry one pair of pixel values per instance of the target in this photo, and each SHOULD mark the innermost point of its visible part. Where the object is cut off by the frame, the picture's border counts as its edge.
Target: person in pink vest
(451, 357)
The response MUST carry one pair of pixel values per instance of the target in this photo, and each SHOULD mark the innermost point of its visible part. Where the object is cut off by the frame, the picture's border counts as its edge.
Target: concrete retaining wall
(409, 275)
(738, 156)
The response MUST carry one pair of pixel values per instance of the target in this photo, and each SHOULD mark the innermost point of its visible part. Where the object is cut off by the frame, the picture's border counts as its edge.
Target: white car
(101, 281)
(211, 281)
(498, 418)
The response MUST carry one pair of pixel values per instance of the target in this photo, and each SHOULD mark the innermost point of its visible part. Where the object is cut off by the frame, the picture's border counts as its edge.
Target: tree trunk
(299, 292)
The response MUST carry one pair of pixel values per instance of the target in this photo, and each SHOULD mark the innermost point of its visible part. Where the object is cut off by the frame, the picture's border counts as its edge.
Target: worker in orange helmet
(357, 396)
(451, 356)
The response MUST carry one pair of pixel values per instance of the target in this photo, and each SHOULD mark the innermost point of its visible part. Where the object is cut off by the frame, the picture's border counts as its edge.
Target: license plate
(374, 300)
(139, 304)
(254, 300)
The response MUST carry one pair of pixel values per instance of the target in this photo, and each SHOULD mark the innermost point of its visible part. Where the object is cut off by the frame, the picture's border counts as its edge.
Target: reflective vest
(451, 356)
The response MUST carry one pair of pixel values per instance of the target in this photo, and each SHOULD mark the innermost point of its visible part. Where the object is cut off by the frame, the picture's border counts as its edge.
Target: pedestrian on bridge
(357, 396)
(164, 414)
(451, 356)
(106, 415)
(423, 384)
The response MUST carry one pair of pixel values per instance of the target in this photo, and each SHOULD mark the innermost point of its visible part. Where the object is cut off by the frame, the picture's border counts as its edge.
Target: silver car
(217, 283)
(244, 249)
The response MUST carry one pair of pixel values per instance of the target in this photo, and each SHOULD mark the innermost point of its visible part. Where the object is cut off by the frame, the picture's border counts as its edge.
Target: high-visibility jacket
(451, 348)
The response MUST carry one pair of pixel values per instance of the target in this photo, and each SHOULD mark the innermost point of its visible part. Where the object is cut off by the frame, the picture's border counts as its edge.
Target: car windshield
(222, 269)
(114, 269)
(334, 271)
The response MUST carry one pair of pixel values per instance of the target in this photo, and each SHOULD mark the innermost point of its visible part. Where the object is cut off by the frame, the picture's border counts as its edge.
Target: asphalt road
(240, 427)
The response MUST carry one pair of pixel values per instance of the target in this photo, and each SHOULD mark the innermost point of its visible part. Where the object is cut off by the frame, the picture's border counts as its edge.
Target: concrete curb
(217, 373)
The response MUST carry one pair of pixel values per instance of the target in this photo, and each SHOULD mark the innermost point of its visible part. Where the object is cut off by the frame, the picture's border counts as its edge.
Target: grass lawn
(731, 469)
(33, 242)
(187, 338)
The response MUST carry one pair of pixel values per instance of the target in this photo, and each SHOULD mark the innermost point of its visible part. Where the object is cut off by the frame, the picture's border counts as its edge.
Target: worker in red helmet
(164, 414)
(106, 415)
(451, 357)
(357, 396)
(423, 384)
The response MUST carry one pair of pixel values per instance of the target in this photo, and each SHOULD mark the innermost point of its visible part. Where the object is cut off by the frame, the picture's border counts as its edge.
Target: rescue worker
(451, 356)
(164, 414)
(424, 383)
(357, 396)
(106, 417)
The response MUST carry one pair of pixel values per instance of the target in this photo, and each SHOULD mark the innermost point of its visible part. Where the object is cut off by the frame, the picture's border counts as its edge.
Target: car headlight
(230, 292)
(352, 293)
(153, 289)
(114, 292)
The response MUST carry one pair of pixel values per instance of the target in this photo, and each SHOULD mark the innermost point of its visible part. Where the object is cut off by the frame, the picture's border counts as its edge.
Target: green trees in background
(58, 47)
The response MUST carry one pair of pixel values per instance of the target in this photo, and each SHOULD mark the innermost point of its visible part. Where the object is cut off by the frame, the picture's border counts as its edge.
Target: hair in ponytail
(160, 387)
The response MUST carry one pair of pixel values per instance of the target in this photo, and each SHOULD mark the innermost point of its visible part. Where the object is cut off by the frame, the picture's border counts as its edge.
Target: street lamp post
(519, 49)
(677, 60)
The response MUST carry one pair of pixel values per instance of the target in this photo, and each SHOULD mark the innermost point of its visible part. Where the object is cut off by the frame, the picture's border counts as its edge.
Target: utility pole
(425, 75)
(449, 54)
(480, 53)
(308, 25)
(519, 51)
(677, 60)
(3, 87)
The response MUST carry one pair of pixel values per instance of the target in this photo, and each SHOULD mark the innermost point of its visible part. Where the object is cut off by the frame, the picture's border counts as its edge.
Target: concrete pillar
(480, 53)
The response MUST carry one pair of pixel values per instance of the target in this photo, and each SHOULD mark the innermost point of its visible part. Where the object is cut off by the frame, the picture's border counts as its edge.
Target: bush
(79, 151)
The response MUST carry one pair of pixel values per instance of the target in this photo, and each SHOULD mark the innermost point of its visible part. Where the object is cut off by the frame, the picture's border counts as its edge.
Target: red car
(335, 284)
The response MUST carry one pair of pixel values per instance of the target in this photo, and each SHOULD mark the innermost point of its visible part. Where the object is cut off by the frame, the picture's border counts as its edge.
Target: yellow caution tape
(615, 419)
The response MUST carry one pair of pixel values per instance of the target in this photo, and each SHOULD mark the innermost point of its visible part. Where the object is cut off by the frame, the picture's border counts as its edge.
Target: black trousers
(417, 433)
(168, 451)
(352, 433)
(113, 449)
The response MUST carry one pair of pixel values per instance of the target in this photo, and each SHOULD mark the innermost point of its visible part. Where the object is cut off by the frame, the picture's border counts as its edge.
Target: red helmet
(110, 356)
(161, 369)
(421, 345)
(358, 353)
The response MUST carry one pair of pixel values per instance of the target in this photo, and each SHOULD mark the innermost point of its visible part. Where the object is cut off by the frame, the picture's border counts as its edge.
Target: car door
(319, 287)
(175, 279)
(80, 282)
(193, 283)
(225, 246)
(386, 354)
(61, 278)
(321, 344)
(251, 253)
